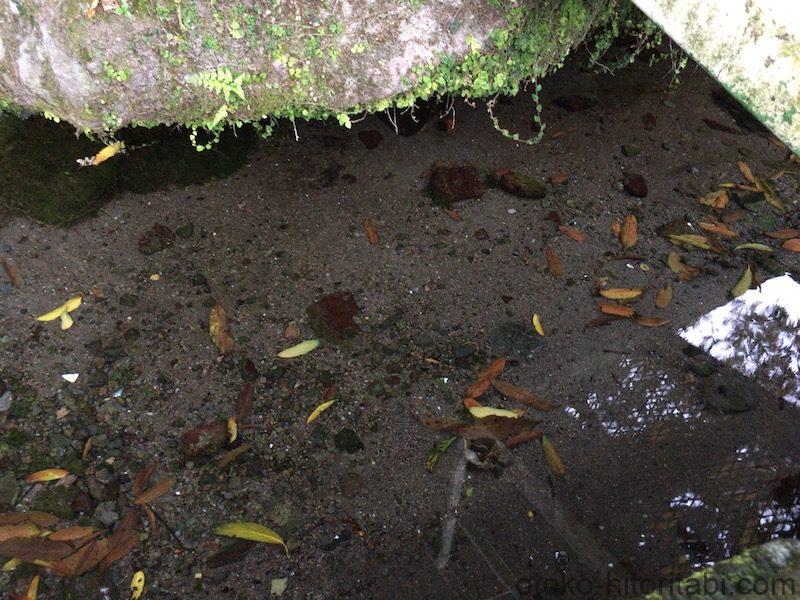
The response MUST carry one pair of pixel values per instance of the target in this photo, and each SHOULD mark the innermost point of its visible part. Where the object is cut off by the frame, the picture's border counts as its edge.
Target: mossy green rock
(56, 500)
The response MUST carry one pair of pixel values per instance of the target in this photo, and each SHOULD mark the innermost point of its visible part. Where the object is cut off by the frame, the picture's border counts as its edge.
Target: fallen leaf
(481, 412)
(486, 377)
(251, 531)
(14, 531)
(318, 411)
(107, 152)
(575, 234)
(62, 312)
(204, 439)
(616, 228)
(33, 588)
(792, 245)
(453, 214)
(40, 519)
(628, 232)
(156, 491)
(87, 447)
(716, 199)
(651, 321)
(372, 233)
(754, 246)
(83, 560)
(558, 178)
(46, 475)
(300, 349)
(97, 293)
(744, 283)
(552, 458)
(522, 437)
(664, 296)
(618, 310)
(218, 328)
(621, 293)
(717, 229)
(553, 262)
(231, 455)
(769, 194)
(682, 270)
(11, 271)
(137, 585)
(497, 428)
(233, 429)
(784, 234)
(34, 548)
(436, 452)
(142, 479)
(292, 332)
(10, 565)
(521, 395)
(119, 548)
(69, 534)
(244, 402)
(746, 172)
(692, 239)
(537, 324)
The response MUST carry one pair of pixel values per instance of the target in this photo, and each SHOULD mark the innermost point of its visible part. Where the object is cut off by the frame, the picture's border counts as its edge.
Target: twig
(169, 528)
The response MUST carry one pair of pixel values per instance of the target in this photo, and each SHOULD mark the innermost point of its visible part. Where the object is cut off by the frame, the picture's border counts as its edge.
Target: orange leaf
(558, 178)
(718, 229)
(784, 234)
(575, 234)
(18, 531)
(552, 458)
(651, 321)
(40, 519)
(618, 310)
(716, 199)
(486, 377)
(453, 214)
(159, 489)
(46, 475)
(553, 262)
(372, 233)
(664, 296)
(616, 228)
(628, 232)
(521, 395)
(792, 245)
(69, 534)
(748, 174)
(523, 436)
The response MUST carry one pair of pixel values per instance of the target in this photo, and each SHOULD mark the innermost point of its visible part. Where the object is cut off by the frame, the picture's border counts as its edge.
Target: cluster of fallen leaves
(509, 427)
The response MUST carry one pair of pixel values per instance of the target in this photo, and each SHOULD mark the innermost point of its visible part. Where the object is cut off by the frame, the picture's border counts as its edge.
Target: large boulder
(105, 64)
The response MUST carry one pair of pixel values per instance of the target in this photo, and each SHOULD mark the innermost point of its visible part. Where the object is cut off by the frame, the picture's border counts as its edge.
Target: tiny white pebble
(512, 211)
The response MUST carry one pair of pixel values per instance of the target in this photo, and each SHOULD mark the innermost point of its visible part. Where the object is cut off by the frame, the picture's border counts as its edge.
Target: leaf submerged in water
(251, 531)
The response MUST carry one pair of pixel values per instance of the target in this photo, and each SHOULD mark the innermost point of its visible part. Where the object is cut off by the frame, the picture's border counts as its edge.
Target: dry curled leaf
(792, 245)
(372, 233)
(156, 491)
(611, 308)
(479, 411)
(537, 325)
(553, 262)
(552, 458)
(521, 395)
(218, 328)
(628, 233)
(717, 229)
(485, 378)
(664, 296)
(715, 199)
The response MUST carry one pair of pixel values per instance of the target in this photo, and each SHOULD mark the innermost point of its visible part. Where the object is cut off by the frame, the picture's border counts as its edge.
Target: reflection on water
(644, 397)
(757, 333)
(781, 516)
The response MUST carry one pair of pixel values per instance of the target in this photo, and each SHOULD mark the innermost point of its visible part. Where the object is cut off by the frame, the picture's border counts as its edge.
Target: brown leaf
(35, 548)
(553, 262)
(372, 233)
(681, 269)
(746, 172)
(521, 395)
(69, 534)
(81, 561)
(610, 308)
(498, 428)
(552, 458)
(784, 234)
(602, 321)
(523, 436)
(716, 199)
(651, 321)
(717, 229)
(118, 550)
(628, 233)
(244, 403)
(40, 519)
(231, 455)
(292, 332)
(792, 245)
(664, 296)
(11, 271)
(142, 479)
(97, 293)
(159, 489)
(616, 228)
(558, 178)
(204, 439)
(218, 328)
(453, 214)
(575, 234)
(18, 531)
(151, 518)
(486, 377)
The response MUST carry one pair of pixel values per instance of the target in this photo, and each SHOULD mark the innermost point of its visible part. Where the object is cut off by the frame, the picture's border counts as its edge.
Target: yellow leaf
(621, 293)
(67, 307)
(664, 296)
(744, 283)
(137, 585)
(693, 239)
(746, 172)
(233, 430)
(537, 324)
(681, 269)
(107, 152)
(251, 531)
(481, 412)
(551, 457)
(715, 199)
(319, 410)
(11, 565)
(46, 475)
(300, 349)
(218, 329)
(66, 321)
(628, 232)
(754, 246)
(33, 588)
